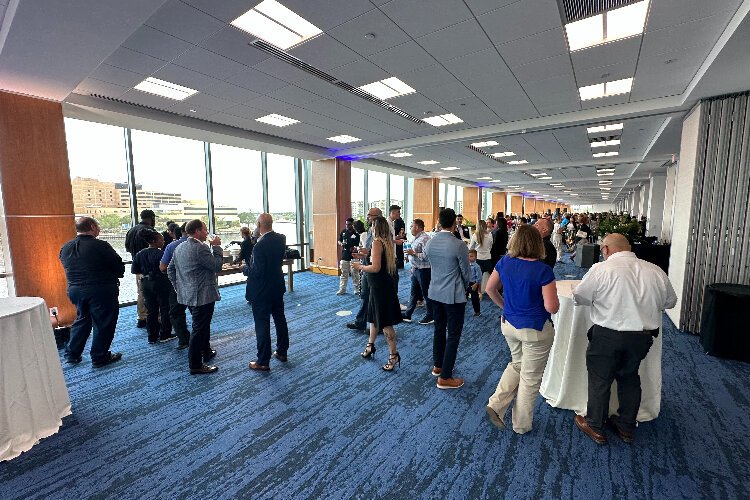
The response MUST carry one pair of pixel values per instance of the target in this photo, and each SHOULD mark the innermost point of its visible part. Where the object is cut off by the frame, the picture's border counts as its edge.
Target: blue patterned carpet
(331, 425)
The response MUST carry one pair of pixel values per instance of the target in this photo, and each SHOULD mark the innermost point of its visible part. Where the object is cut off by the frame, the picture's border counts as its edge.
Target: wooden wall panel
(37, 198)
(499, 201)
(472, 204)
(426, 201)
(516, 205)
(331, 183)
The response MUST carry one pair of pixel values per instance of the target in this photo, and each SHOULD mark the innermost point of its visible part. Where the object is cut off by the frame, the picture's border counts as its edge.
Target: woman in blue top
(529, 298)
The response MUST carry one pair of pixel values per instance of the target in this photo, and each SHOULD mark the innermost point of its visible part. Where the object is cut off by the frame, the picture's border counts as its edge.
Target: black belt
(653, 333)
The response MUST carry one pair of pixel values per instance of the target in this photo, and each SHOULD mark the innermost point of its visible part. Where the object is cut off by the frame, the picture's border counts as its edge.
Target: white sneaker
(403, 307)
(341, 292)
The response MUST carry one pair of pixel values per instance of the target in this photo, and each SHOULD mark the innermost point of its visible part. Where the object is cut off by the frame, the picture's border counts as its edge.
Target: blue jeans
(97, 307)
(420, 284)
(449, 318)
(263, 309)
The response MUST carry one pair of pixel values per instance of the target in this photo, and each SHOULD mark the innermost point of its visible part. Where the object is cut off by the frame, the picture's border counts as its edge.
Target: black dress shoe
(204, 369)
(353, 326)
(182, 346)
(111, 358)
(280, 357)
(209, 355)
(73, 361)
(625, 436)
(141, 323)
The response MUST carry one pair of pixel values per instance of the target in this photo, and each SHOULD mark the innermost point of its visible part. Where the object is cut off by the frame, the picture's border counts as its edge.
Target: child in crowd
(475, 273)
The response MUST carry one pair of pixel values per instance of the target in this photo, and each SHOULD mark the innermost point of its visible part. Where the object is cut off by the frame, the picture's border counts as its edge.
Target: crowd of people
(509, 260)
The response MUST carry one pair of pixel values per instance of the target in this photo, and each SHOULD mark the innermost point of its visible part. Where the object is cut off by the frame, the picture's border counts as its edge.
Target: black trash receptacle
(724, 328)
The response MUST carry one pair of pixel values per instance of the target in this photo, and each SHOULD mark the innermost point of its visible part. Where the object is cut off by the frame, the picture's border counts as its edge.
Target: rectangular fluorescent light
(516, 187)
(277, 120)
(400, 155)
(604, 175)
(533, 192)
(601, 170)
(573, 194)
(503, 154)
(601, 144)
(344, 138)
(545, 178)
(605, 183)
(450, 168)
(604, 128)
(428, 162)
(518, 162)
(484, 144)
(442, 120)
(166, 89)
(496, 180)
(483, 178)
(606, 89)
(606, 27)
(537, 174)
(277, 25)
(388, 88)
(604, 188)
(609, 153)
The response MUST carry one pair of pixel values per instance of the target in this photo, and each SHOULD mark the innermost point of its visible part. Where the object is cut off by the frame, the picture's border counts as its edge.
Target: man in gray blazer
(192, 271)
(449, 258)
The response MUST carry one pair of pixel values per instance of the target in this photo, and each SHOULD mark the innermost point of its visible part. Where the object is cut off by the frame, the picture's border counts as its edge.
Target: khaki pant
(141, 302)
(346, 270)
(522, 377)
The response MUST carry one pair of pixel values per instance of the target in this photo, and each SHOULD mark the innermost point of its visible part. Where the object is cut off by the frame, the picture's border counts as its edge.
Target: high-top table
(565, 380)
(33, 395)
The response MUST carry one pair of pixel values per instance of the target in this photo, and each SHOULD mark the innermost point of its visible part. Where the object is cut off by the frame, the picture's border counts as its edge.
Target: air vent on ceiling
(488, 155)
(301, 65)
(574, 10)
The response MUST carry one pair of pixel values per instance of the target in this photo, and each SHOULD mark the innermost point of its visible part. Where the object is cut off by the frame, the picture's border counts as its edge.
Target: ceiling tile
(624, 52)
(402, 58)
(534, 47)
(282, 70)
(110, 74)
(231, 92)
(324, 53)
(553, 67)
(521, 19)
(479, 7)
(186, 77)
(419, 17)
(270, 104)
(131, 60)
(247, 112)
(319, 87)
(455, 41)
(153, 42)
(359, 73)
(235, 45)
(605, 101)
(293, 95)
(191, 110)
(225, 10)
(209, 102)
(326, 14)
(591, 76)
(257, 81)
(233, 121)
(485, 65)
(145, 99)
(664, 13)
(699, 32)
(352, 33)
(428, 77)
(209, 63)
(473, 111)
(417, 105)
(450, 91)
(185, 22)
(94, 86)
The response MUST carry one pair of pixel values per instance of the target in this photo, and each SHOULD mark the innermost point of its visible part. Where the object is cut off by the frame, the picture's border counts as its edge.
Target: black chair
(724, 331)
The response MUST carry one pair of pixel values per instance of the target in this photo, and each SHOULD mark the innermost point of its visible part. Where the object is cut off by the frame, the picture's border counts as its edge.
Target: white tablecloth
(33, 395)
(565, 381)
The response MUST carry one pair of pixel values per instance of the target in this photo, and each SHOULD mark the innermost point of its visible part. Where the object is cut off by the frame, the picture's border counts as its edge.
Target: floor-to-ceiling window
(450, 200)
(358, 194)
(237, 195)
(99, 178)
(377, 187)
(442, 195)
(282, 201)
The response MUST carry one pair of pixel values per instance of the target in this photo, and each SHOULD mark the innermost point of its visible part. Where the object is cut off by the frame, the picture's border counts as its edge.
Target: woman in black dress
(383, 311)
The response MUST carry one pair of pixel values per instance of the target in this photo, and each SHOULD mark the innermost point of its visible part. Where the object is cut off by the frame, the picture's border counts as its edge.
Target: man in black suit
(499, 239)
(461, 232)
(267, 293)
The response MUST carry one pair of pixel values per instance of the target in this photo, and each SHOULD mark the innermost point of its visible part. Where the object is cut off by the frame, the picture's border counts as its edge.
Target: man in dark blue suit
(267, 293)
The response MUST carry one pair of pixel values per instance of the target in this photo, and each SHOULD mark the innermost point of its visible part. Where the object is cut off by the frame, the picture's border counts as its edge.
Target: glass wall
(377, 195)
(358, 194)
(282, 200)
(397, 191)
(459, 199)
(450, 200)
(99, 178)
(442, 195)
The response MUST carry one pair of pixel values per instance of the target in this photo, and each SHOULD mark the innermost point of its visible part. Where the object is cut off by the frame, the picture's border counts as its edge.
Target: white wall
(657, 186)
(683, 204)
(668, 216)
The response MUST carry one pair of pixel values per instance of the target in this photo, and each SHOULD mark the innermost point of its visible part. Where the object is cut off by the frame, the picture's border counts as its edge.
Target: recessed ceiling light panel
(484, 144)
(388, 88)
(604, 128)
(277, 120)
(442, 120)
(503, 154)
(277, 25)
(518, 162)
(450, 168)
(400, 155)
(609, 153)
(428, 162)
(344, 138)
(164, 88)
(606, 89)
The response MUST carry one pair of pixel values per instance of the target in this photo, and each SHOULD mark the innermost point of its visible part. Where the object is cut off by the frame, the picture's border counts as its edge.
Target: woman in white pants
(529, 298)
(557, 239)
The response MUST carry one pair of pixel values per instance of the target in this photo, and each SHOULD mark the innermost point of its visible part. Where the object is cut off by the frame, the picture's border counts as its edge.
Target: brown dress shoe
(436, 371)
(260, 368)
(625, 436)
(280, 357)
(449, 383)
(586, 428)
(203, 370)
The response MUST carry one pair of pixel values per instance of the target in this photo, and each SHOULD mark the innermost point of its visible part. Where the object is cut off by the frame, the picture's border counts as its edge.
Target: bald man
(627, 298)
(266, 293)
(544, 226)
(93, 270)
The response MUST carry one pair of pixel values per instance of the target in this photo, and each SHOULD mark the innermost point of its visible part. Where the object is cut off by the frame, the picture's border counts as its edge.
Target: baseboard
(331, 271)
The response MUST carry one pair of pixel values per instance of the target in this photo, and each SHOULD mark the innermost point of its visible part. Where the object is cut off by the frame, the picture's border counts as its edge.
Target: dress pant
(177, 318)
(140, 301)
(361, 319)
(420, 284)
(449, 319)
(263, 309)
(529, 350)
(200, 339)
(558, 244)
(474, 294)
(156, 296)
(613, 355)
(346, 271)
(98, 308)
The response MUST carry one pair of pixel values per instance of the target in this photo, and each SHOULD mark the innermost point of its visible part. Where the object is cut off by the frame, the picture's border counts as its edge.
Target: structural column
(331, 184)
(426, 200)
(472, 204)
(657, 188)
(37, 200)
(643, 208)
(499, 200)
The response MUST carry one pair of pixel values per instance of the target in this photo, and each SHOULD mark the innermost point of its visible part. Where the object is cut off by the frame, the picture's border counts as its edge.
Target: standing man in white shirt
(627, 298)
